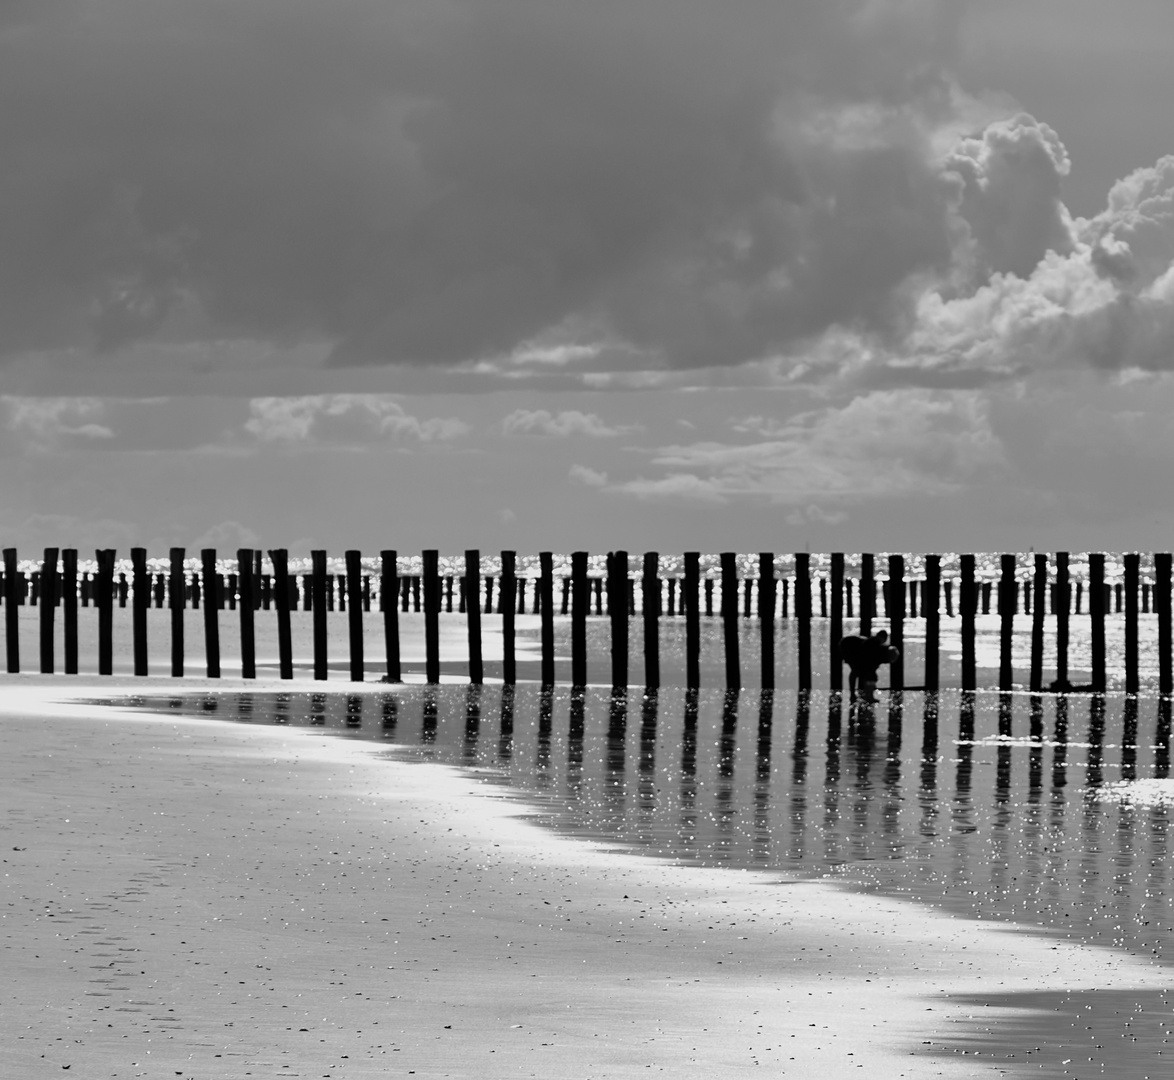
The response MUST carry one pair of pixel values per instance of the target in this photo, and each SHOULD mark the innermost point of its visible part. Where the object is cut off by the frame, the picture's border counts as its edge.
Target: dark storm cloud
(423, 181)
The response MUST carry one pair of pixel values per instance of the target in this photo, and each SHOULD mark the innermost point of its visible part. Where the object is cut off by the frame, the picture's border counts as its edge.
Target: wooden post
(431, 589)
(867, 594)
(690, 604)
(1132, 583)
(968, 605)
(257, 559)
(545, 589)
(1008, 601)
(1038, 614)
(142, 597)
(617, 602)
(803, 615)
(931, 611)
(897, 620)
(650, 604)
(1163, 608)
(11, 620)
(473, 614)
(766, 616)
(211, 608)
(318, 567)
(1096, 614)
(283, 599)
(246, 582)
(709, 597)
(506, 588)
(1062, 604)
(177, 600)
(48, 594)
(389, 605)
(105, 599)
(729, 610)
(565, 607)
(836, 628)
(580, 604)
(69, 607)
(354, 590)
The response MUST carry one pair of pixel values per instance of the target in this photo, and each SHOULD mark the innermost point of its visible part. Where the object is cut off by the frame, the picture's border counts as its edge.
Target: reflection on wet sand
(993, 812)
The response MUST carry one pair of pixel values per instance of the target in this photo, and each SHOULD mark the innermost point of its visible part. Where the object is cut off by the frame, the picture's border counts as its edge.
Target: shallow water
(1047, 810)
(1050, 811)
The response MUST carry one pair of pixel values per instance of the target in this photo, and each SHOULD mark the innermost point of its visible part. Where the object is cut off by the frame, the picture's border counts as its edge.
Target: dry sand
(185, 897)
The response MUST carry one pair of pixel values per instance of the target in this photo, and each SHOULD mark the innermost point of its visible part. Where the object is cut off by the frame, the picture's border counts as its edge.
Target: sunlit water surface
(1050, 811)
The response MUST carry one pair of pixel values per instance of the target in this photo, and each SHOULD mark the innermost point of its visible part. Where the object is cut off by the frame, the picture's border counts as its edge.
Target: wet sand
(187, 897)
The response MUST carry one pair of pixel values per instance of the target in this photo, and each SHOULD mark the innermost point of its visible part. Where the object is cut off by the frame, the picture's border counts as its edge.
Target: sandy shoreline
(188, 897)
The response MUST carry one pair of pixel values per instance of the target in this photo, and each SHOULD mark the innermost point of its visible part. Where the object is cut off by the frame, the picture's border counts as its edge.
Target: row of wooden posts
(579, 590)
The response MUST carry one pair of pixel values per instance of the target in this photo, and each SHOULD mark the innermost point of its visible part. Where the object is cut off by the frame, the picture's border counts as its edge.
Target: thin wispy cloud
(345, 418)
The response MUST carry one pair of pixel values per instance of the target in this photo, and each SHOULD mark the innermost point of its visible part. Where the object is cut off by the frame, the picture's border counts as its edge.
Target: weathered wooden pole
(803, 615)
(690, 604)
(177, 600)
(507, 587)
(11, 612)
(69, 607)
(389, 605)
(766, 616)
(1132, 589)
(931, 611)
(545, 589)
(580, 607)
(354, 588)
(283, 600)
(211, 609)
(473, 615)
(142, 598)
(729, 611)
(897, 620)
(430, 585)
(617, 605)
(104, 600)
(968, 606)
(246, 582)
(48, 595)
(867, 594)
(836, 627)
(1062, 605)
(1164, 610)
(1096, 615)
(1008, 601)
(650, 605)
(318, 608)
(1038, 614)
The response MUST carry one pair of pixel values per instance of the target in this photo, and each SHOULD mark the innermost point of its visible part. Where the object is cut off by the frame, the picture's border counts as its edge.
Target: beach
(187, 897)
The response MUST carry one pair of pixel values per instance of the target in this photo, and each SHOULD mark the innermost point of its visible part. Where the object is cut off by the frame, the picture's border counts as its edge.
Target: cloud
(558, 425)
(344, 418)
(895, 443)
(433, 183)
(227, 537)
(590, 191)
(590, 477)
(44, 423)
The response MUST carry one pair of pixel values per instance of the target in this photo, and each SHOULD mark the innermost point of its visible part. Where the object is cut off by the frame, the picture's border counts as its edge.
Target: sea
(1049, 812)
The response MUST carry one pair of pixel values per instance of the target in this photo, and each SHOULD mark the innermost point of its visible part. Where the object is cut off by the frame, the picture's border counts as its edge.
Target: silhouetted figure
(864, 656)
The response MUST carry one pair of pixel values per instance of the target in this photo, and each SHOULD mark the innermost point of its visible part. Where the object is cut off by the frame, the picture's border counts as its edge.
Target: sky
(763, 275)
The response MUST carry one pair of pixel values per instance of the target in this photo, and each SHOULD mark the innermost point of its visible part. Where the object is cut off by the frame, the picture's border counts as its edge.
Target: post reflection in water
(1030, 827)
